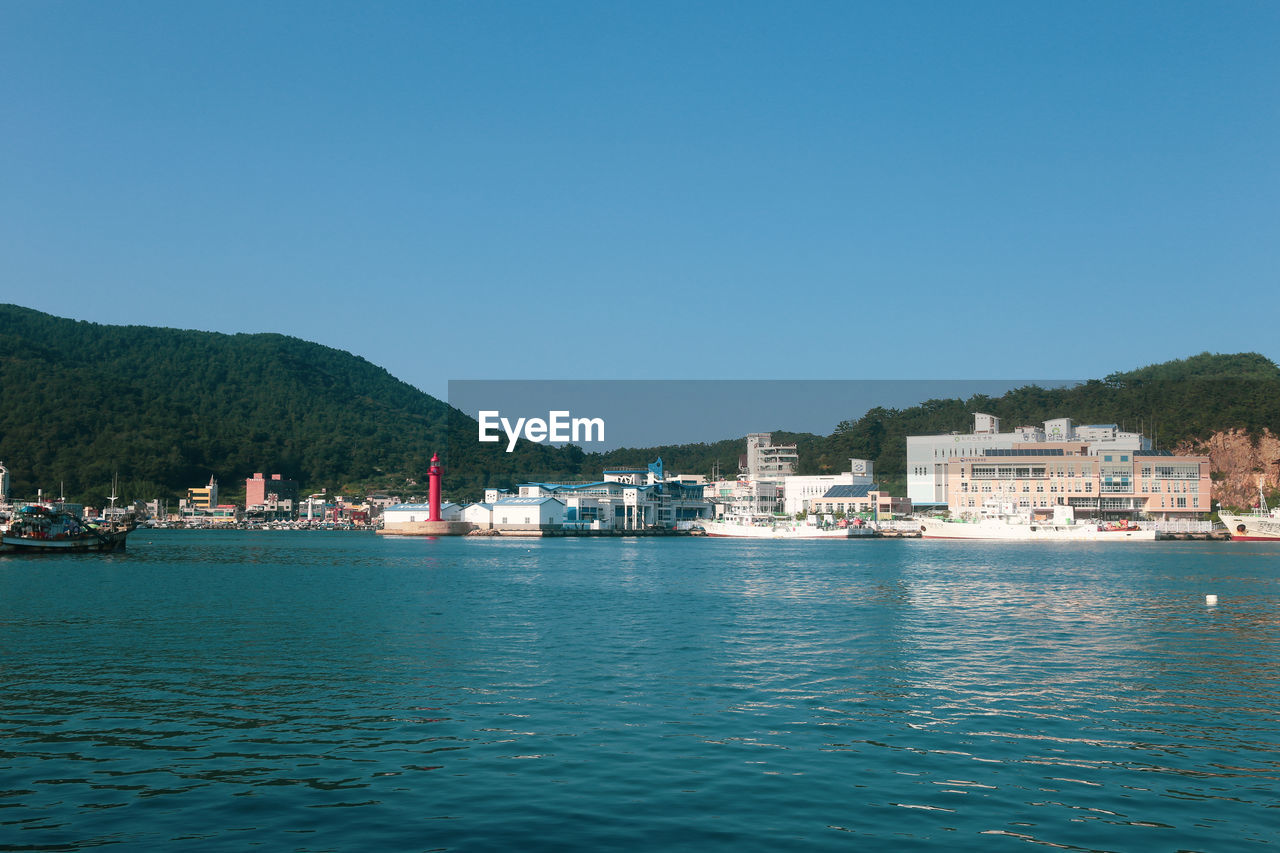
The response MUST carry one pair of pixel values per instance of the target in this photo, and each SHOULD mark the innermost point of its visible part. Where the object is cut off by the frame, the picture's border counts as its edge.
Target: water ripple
(319, 692)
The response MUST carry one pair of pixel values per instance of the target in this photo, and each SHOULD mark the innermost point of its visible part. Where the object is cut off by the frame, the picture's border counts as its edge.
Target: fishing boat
(1056, 524)
(776, 527)
(1261, 525)
(45, 527)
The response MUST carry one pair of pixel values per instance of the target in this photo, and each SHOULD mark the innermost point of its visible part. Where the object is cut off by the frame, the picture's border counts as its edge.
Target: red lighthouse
(433, 499)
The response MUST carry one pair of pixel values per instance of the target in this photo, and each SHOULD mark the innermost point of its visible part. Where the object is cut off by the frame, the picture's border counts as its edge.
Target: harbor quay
(1056, 480)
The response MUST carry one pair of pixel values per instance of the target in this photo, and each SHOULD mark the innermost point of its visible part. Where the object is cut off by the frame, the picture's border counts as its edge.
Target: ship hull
(1250, 528)
(79, 544)
(1001, 531)
(723, 530)
(104, 542)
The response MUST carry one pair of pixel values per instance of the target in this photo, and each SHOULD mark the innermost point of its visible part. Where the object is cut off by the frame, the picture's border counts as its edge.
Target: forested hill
(167, 409)
(1181, 404)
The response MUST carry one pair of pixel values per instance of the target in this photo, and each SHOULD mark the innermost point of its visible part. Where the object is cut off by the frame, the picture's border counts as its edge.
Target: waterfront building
(271, 509)
(861, 500)
(1108, 484)
(928, 456)
(204, 498)
(201, 507)
(625, 499)
(766, 462)
(744, 497)
(402, 517)
(615, 505)
(4, 485)
(214, 516)
(480, 515)
(260, 491)
(379, 501)
(798, 491)
(527, 514)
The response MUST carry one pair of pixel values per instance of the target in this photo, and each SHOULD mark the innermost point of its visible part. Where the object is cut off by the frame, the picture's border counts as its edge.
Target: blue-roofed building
(402, 518)
(862, 500)
(479, 515)
(626, 499)
(528, 514)
(800, 490)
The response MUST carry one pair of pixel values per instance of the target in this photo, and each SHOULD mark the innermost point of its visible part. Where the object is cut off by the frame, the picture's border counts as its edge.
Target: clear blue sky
(654, 190)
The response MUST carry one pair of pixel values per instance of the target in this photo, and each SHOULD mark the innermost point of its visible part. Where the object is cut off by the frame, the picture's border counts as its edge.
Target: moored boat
(1057, 524)
(40, 527)
(766, 527)
(1261, 525)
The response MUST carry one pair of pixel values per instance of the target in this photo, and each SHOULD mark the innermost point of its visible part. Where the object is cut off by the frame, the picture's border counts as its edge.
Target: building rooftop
(525, 501)
(861, 491)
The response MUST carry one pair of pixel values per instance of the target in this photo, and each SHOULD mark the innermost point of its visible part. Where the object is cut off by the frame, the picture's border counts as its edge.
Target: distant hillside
(166, 409)
(1181, 404)
(1185, 405)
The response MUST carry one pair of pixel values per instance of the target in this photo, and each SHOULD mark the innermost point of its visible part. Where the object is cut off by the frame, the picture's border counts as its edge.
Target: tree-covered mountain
(1177, 403)
(165, 409)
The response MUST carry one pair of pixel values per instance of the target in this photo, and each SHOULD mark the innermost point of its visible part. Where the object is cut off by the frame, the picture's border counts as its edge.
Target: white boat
(768, 527)
(1045, 524)
(1261, 525)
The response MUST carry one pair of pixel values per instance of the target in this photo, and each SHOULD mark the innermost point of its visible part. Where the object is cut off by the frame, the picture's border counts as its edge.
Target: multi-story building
(766, 462)
(4, 485)
(860, 500)
(928, 456)
(799, 491)
(625, 499)
(743, 497)
(204, 498)
(260, 490)
(1111, 484)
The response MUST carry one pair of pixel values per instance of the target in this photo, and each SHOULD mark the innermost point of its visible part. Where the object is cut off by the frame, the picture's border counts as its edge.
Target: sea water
(345, 691)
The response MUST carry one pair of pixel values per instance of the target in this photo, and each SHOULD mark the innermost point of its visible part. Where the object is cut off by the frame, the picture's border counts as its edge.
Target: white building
(743, 497)
(619, 505)
(798, 491)
(4, 484)
(928, 455)
(767, 462)
(479, 514)
(528, 513)
(413, 513)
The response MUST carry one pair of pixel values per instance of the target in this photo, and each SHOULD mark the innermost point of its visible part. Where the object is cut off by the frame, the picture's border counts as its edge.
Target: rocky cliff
(1236, 460)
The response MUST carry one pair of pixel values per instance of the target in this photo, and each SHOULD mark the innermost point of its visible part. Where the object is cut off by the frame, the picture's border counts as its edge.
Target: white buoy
(1211, 600)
